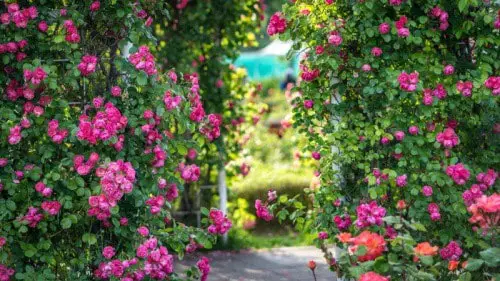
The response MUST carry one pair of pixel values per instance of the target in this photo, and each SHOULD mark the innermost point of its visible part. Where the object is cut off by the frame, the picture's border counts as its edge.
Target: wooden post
(222, 195)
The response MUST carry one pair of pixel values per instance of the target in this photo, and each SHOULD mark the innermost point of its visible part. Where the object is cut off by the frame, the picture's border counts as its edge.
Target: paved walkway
(278, 264)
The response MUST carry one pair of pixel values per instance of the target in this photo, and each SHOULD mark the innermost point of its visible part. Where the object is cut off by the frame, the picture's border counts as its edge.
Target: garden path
(278, 264)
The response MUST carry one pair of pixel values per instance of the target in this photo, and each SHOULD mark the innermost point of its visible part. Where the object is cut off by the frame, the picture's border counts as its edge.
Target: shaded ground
(278, 264)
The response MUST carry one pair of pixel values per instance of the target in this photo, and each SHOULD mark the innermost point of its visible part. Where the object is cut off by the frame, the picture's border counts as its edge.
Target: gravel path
(278, 264)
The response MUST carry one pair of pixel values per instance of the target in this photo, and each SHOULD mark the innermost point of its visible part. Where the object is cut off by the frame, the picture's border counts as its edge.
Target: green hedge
(284, 180)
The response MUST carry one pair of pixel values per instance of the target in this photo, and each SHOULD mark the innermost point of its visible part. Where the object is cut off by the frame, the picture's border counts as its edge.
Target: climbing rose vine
(400, 99)
(94, 136)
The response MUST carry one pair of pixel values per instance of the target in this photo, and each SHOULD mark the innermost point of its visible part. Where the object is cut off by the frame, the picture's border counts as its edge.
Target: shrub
(407, 94)
(93, 144)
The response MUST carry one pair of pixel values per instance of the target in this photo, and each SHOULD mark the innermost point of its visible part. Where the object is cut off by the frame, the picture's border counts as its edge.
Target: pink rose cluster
(211, 129)
(32, 217)
(103, 126)
(369, 214)
(171, 102)
(451, 252)
(6, 273)
(87, 65)
(442, 15)
(335, 39)
(342, 222)
(402, 181)
(57, 135)
(308, 74)
(151, 127)
(379, 176)
(408, 82)
(116, 179)
(372, 276)
(395, 2)
(95, 6)
(458, 173)
(155, 204)
(83, 167)
(43, 189)
(14, 48)
(204, 267)
(484, 181)
(197, 111)
(400, 24)
(465, 88)
(485, 211)
(36, 76)
(493, 83)
(262, 211)
(376, 52)
(448, 138)
(220, 223)
(20, 17)
(433, 210)
(72, 35)
(15, 135)
(144, 60)
(277, 24)
(189, 173)
(51, 207)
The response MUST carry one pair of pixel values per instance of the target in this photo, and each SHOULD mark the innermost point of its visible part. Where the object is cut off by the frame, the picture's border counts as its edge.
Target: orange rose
(374, 243)
(425, 249)
(452, 265)
(344, 237)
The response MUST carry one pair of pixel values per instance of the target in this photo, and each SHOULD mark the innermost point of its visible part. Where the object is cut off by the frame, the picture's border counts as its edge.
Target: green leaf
(59, 39)
(474, 264)
(142, 78)
(66, 223)
(491, 256)
(89, 238)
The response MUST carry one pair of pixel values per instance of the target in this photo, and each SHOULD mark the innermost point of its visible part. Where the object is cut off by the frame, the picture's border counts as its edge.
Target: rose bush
(94, 139)
(400, 99)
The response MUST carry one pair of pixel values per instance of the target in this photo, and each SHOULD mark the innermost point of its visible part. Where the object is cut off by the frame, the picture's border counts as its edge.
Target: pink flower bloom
(277, 24)
(369, 214)
(144, 60)
(372, 276)
(395, 2)
(43, 26)
(15, 135)
(155, 204)
(108, 252)
(319, 50)
(458, 173)
(448, 138)
(220, 223)
(51, 207)
(465, 88)
(366, 68)
(189, 173)
(32, 217)
(204, 268)
(87, 65)
(262, 211)
(408, 82)
(451, 252)
(116, 91)
(322, 235)
(403, 32)
(376, 52)
(123, 221)
(309, 75)
(6, 273)
(344, 222)
(427, 190)
(413, 130)
(384, 140)
(384, 28)
(401, 181)
(192, 154)
(399, 135)
(172, 192)
(143, 231)
(36, 76)
(95, 6)
(329, 2)
(433, 210)
(493, 83)
(449, 69)
(57, 135)
(3, 241)
(335, 38)
(271, 195)
(315, 155)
